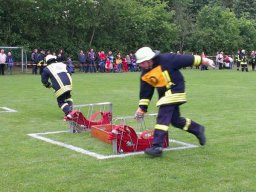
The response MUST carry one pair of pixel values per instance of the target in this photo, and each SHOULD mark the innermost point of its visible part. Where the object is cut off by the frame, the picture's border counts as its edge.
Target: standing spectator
(237, 60)
(110, 56)
(9, 62)
(70, 65)
(161, 71)
(41, 62)
(82, 61)
(108, 65)
(133, 62)
(128, 62)
(253, 60)
(61, 56)
(226, 62)
(125, 64)
(34, 61)
(243, 61)
(91, 58)
(61, 82)
(102, 60)
(203, 67)
(220, 60)
(119, 62)
(2, 61)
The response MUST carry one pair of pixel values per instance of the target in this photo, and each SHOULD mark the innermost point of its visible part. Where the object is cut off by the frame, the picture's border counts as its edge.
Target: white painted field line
(71, 147)
(7, 110)
(100, 156)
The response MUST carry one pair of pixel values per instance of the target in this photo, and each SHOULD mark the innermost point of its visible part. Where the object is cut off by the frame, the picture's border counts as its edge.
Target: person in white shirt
(2, 61)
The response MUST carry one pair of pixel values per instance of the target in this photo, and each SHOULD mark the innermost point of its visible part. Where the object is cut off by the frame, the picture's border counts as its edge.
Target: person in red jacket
(125, 64)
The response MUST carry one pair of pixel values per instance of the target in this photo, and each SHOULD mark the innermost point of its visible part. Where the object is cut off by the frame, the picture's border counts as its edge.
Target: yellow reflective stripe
(167, 76)
(197, 60)
(144, 102)
(169, 92)
(168, 79)
(64, 105)
(188, 122)
(161, 127)
(70, 79)
(70, 99)
(172, 98)
(51, 69)
(63, 90)
(40, 63)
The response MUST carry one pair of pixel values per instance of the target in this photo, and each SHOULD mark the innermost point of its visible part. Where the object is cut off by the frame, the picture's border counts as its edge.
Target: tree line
(125, 25)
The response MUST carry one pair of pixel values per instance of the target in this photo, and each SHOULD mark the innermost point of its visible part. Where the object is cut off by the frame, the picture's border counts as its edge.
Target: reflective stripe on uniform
(197, 60)
(69, 99)
(63, 90)
(168, 79)
(55, 69)
(161, 127)
(188, 123)
(172, 98)
(64, 105)
(55, 74)
(144, 102)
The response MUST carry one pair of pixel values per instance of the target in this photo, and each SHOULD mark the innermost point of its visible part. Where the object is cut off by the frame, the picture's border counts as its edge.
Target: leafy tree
(208, 25)
(245, 9)
(216, 30)
(184, 20)
(247, 34)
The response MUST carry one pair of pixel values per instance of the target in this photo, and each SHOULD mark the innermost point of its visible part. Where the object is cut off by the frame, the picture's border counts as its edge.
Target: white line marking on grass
(100, 156)
(7, 110)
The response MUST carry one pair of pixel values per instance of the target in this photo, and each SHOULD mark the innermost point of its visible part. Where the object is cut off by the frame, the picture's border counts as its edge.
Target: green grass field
(223, 101)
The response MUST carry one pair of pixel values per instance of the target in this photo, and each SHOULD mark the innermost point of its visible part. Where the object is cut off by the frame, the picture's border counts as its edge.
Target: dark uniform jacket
(60, 77)
(166, 77)
(243, 59)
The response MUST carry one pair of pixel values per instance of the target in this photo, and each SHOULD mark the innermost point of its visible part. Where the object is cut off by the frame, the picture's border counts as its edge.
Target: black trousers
(2, 69)
(170, 114)
(65, 102)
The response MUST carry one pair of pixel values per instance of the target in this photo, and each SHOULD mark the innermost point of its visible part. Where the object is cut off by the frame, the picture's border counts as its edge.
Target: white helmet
(50, 59)
(243, 51)
(144, 54)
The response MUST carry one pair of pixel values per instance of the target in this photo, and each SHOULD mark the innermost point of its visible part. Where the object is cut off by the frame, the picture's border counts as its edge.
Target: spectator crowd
(116, 62)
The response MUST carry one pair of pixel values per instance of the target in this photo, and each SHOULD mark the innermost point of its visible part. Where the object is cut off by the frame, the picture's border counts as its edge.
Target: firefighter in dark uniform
(161, 71)
(253, 60)
(243, 61)
(41, 61)
(61, 82)
(237, 60)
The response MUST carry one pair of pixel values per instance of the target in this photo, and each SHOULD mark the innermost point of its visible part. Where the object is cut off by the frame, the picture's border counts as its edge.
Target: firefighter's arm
(139, 114)
(198, 60)
(146, 93)
(48, 85)
(44, 79)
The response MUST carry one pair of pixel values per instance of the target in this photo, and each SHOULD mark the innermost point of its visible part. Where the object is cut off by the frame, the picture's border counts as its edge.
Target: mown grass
(223, 101)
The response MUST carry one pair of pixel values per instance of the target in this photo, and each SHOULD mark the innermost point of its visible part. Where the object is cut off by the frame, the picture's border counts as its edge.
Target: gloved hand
(208, 62)
(139, 114)
(48, 85)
